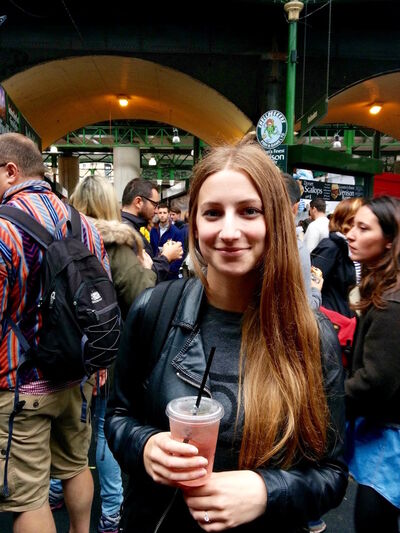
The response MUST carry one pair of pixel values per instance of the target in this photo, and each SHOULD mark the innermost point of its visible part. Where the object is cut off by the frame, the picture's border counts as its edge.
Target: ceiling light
(123, 100)
(375, 109)
(175, 139)
(336, 142)
(152, 161)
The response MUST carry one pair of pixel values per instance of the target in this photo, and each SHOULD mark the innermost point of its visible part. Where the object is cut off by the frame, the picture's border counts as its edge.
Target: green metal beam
(315, 158)
(291, 81)
(144, 137)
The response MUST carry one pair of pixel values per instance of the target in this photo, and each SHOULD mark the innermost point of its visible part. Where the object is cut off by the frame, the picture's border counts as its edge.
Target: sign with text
(329, 191)
(279, 156)
(314, 115)
(271, 129)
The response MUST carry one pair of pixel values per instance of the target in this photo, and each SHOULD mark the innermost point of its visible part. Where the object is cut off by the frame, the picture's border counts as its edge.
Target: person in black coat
(331, 256)
(140, 200)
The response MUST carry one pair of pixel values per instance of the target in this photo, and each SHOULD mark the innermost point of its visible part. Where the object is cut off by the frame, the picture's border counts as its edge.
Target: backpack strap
(28, 224)
(75, 223)
(160, 312)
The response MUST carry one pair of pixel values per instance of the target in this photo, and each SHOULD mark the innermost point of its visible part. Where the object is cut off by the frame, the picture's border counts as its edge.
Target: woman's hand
(172, 250)
(317, 279)
(168, 461)
(227, 500)
(146, 260)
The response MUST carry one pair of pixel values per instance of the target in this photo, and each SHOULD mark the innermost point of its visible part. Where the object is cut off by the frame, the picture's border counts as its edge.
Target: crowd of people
(296, 422)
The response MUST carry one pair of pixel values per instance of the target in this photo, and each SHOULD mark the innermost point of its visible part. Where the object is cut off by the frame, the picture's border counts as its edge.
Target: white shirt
(316, 231)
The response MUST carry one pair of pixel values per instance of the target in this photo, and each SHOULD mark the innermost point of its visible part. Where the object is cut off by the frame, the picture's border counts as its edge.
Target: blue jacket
(157, 242)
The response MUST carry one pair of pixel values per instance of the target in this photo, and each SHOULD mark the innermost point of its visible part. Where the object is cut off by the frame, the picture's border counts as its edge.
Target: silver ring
(206, 518)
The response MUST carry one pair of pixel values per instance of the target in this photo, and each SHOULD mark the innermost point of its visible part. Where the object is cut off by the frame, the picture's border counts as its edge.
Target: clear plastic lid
(184, 409)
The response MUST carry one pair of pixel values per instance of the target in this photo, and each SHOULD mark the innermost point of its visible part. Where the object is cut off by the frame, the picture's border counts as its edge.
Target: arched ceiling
(351, 106)
(64, 95)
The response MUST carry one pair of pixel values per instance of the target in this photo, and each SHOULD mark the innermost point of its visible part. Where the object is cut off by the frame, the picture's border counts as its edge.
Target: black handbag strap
(160, 312)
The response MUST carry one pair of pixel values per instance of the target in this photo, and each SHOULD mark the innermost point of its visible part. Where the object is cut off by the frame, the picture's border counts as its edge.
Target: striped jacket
(20, 261)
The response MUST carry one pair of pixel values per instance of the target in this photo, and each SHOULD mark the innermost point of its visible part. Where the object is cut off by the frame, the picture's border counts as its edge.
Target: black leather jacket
(136, 410)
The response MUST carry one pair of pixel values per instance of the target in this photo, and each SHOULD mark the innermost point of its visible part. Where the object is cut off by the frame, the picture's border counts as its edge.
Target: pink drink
(198, 427)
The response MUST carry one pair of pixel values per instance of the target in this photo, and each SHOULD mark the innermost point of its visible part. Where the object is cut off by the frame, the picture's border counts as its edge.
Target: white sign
(271, 129)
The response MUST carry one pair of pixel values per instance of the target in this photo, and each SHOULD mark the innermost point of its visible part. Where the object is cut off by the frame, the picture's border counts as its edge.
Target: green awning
(316, 158)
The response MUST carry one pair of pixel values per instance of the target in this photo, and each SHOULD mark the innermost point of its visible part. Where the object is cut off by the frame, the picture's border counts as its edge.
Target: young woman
(278, 460)
(373, 388)
(331, 256)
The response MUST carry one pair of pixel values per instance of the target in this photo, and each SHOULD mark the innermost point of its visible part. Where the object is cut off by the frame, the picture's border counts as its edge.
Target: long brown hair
(281, 385)
(384, 274)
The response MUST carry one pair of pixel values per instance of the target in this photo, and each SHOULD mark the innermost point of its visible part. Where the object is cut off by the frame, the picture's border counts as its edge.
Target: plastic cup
(196, 426)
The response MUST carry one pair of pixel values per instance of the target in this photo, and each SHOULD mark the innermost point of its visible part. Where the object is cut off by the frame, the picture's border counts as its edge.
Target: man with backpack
(41, 430)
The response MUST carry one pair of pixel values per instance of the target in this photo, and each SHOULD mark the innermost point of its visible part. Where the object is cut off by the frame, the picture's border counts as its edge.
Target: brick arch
(63, 95)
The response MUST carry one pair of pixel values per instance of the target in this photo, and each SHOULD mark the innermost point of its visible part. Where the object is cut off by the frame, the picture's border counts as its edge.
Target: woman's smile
(230, 224)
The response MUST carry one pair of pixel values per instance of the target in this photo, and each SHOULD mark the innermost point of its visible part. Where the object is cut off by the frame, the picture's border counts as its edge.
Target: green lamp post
(292, 8)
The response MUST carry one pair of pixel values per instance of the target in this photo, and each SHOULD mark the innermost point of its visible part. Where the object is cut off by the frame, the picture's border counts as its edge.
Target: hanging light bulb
(175, 139)
(152, 162)
(375, 109)
(123, 100)
(336, 142)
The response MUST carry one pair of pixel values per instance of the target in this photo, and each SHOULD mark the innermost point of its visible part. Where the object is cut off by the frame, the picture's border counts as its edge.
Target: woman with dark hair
(373, 388)
(276, 370)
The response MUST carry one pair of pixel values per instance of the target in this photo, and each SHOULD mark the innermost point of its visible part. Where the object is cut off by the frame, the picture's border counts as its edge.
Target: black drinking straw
(206, 372)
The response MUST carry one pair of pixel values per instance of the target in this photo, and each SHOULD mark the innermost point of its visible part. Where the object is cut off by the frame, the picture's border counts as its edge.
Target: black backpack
(81, 321)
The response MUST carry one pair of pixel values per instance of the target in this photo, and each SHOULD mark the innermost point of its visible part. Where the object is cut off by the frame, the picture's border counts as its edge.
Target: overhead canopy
(64, 95)
(351, 105)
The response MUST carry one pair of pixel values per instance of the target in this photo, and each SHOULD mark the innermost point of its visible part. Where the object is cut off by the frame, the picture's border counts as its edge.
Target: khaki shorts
(48, 439)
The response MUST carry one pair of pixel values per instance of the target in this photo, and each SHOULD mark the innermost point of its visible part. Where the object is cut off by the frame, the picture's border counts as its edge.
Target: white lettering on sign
(313, 189)
(312, 117)
(277, 157)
